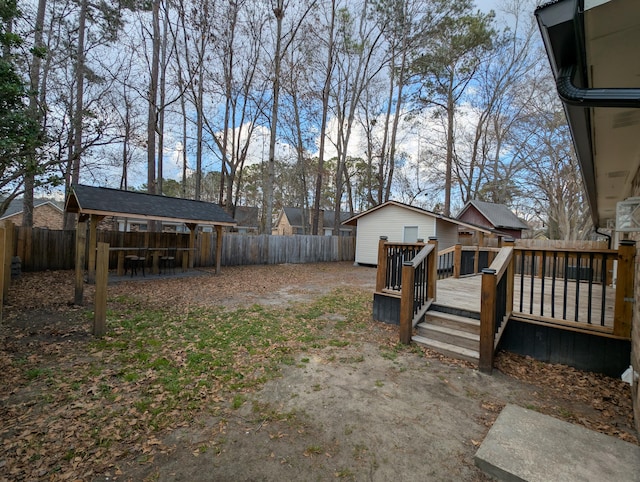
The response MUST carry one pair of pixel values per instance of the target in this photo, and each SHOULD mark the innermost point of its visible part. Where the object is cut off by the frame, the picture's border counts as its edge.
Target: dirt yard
(357, 407)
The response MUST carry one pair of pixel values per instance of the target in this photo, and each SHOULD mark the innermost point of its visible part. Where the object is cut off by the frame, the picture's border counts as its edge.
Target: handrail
(496, 305)
(418, 288)
(424, 252)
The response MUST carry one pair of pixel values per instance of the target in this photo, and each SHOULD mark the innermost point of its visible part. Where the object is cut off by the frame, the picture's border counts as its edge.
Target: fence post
(432, 267)
(102, 275)
(81, 238)
(8, 256)
(218, 248)
(406, 302)
(623, 310)
(3, 254)
(381, 274)
(487, 320)
(457, 261)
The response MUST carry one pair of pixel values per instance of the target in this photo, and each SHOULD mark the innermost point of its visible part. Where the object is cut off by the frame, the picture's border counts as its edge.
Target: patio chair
(168, 261)
(136, 261)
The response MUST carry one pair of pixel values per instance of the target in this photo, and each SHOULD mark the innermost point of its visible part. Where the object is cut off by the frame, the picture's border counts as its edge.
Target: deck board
(464, 294)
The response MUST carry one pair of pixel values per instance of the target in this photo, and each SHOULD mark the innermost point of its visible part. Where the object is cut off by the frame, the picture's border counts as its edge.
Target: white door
(410, 234)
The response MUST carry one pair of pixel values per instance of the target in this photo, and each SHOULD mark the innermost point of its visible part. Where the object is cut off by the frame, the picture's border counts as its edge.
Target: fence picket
(43, 249)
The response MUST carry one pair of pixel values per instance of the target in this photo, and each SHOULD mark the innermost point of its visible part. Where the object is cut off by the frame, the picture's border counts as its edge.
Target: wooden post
(510, 274)
(3, 254)
(81, 239)
(432, 266)
(406, 302)
(102, 275)
(8, 256)
(192, 244)
(93, 242)
(480, 238)
(381, 274)
(120, 270)
(219, 232)
(623, 310)
(155, 262)
(487, 320)
(457, 260)
(476, 260)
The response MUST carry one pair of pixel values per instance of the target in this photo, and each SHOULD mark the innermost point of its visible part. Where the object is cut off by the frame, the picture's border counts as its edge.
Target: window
(410, 234)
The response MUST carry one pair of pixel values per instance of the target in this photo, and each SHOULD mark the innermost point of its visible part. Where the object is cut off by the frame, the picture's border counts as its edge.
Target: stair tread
(450, 331)
(452, 317)
(446, 347)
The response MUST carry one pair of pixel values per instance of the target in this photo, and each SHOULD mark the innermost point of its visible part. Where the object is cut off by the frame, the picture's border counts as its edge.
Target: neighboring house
(402, 223)
(493, 216)
(248, 219)
(46, 213)
(592, 46)
(293, 221)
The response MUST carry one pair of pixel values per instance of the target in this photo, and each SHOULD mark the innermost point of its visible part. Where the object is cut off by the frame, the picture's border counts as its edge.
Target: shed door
(410, 234)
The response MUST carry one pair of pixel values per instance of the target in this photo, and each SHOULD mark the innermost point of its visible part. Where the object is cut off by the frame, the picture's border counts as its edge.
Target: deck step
(452, 336)
(448, 349)
(449, 320)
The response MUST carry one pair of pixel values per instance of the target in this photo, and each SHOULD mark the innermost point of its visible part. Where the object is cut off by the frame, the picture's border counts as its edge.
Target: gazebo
(95, 203)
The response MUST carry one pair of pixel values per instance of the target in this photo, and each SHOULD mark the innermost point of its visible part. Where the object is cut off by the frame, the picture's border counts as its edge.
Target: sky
(410, 143)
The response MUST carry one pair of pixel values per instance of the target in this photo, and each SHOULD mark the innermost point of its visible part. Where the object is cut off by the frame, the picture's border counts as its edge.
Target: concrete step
(451, 336)
(527, 445)
(448, 349)
(456, 322)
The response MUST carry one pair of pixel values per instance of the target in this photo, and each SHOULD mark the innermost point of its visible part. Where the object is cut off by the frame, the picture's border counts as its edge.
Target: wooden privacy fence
(45, 249)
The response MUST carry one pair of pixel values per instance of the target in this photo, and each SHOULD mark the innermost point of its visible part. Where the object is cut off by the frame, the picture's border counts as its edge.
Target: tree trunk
(35, 112)
(152, 114)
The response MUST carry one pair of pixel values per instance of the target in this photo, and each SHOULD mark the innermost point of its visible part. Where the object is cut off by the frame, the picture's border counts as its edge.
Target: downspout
(592, 97)
(606, 235)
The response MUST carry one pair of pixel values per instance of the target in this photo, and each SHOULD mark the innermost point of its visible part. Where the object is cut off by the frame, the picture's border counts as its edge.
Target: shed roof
(499, 215)
(354, 220)
(115, 202)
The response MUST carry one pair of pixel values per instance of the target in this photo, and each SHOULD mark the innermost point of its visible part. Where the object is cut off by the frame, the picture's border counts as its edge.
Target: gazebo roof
(102, 201)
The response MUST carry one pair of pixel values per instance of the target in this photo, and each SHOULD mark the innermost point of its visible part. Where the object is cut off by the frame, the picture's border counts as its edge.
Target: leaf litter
(74, 406)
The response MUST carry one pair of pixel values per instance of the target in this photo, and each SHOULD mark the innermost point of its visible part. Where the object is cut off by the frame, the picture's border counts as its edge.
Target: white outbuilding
(402, 223)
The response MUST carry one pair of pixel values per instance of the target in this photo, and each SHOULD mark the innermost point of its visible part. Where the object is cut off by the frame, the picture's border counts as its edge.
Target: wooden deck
(464, 293)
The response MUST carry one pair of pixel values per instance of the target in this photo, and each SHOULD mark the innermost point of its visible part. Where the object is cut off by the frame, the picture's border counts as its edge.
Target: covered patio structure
(93, 204)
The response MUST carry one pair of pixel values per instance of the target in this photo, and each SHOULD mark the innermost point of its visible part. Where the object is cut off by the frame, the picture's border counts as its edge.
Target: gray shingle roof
(247, 216)
(17, 205)
(497, 214)
(102, 200)
(295, 217)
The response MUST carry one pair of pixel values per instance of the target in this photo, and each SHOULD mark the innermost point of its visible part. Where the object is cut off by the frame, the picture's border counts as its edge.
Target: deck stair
(453, 335)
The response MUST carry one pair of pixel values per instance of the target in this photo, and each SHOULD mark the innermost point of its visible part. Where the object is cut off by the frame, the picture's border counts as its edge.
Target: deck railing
(496, 305)
(419, 288)
(458, 260)
(577, 288)
(391, 257)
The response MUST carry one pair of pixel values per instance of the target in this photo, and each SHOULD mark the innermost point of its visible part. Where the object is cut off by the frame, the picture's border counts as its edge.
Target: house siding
(447, 234)
(388, 221)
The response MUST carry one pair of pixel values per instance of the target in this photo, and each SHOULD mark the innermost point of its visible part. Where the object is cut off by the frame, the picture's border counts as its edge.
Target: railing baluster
(590, 272)
(543, 259)
(578, 268)
(533, 277)
(553, 284)
(605, 263)
(522, 257)
(566, 281)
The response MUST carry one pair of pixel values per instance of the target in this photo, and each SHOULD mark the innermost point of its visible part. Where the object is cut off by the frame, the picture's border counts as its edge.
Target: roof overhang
(592, 46)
